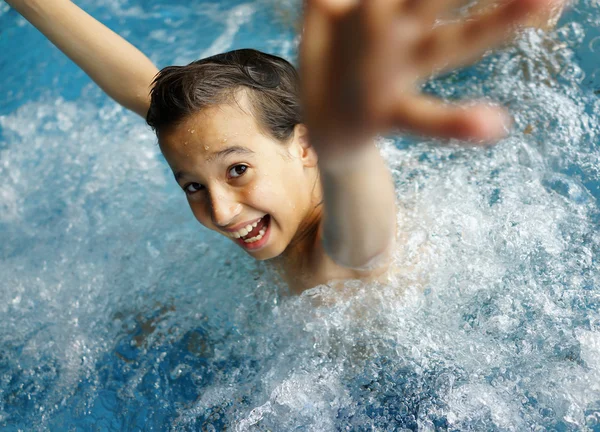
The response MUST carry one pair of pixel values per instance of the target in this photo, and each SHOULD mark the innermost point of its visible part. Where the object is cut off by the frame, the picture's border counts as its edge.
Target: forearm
(118, 68)
(360, 210)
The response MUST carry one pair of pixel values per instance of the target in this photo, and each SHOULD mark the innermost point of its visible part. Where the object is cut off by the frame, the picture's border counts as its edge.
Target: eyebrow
(228, 151)
(221, 154)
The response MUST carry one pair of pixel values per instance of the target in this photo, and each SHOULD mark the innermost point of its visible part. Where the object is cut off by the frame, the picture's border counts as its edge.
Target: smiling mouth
(256, 236)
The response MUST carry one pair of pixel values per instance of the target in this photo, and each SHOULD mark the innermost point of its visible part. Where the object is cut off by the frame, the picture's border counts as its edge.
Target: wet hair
(271, 83)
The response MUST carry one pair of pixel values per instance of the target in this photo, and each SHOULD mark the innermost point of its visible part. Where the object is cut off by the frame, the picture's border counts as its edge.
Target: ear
(306, 151)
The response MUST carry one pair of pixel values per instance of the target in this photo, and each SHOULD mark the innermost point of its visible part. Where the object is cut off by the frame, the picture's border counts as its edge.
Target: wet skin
(233, 174)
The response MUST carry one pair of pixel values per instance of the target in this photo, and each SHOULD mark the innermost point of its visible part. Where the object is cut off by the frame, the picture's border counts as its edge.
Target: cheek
(258, 197)
(200, 213)
(266, 194)
(279, 197)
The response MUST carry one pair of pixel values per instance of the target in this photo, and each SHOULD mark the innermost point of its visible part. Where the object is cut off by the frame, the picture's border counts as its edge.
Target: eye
(237, 171)
(192, 188)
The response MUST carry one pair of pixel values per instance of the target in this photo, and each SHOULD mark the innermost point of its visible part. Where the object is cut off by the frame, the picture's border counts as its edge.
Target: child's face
(236, 177)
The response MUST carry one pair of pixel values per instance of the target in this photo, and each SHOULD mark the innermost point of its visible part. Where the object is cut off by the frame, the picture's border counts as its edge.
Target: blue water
(120, 312)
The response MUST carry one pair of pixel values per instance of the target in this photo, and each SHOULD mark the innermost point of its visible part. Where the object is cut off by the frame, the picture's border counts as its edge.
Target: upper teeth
(245, 230)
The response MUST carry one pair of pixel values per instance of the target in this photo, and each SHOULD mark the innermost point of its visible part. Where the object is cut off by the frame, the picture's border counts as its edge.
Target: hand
(545, 19)
(362, 62)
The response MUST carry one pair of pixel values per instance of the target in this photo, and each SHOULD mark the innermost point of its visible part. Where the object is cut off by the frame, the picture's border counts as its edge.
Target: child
(289, 171)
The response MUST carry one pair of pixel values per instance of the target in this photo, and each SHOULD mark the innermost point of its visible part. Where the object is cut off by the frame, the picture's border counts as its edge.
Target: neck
(295, 262)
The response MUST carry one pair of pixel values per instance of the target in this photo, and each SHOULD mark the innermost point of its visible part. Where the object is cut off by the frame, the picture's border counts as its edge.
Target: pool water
(119, 312)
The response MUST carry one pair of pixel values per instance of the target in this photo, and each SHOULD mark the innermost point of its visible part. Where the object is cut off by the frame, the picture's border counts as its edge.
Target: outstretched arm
(362, 62)
(120, 69)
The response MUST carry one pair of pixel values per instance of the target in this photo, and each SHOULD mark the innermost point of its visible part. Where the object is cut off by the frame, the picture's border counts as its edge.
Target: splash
(120, 312)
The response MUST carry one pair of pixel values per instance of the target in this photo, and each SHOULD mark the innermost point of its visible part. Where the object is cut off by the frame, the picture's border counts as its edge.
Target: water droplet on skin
(193, 131)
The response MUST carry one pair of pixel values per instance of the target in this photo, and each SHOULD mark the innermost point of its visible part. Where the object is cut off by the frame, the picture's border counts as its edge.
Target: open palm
(362, 63)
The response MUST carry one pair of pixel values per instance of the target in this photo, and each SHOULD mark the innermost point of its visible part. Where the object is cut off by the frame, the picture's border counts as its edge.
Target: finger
(386, 28)
(429, 10)
(544, 19)
(468, 40)
(316, 42)
(423, 115)
(380, 13)
(338, 7)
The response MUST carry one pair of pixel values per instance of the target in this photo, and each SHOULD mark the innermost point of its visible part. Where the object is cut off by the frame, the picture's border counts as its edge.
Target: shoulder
(324, 269)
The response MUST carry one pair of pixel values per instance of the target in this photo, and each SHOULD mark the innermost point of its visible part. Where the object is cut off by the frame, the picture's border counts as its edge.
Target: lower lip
(257, 244)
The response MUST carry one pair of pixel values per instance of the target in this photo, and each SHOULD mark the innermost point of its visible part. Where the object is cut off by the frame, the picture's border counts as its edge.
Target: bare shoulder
(408, 261)
(322, 269)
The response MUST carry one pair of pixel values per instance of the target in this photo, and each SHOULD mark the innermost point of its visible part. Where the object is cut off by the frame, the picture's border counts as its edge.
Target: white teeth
(246, 230)
(254, 239)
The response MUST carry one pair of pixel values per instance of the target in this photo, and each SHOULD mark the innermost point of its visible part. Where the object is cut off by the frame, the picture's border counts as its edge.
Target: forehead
(215, 133)
(210, 129)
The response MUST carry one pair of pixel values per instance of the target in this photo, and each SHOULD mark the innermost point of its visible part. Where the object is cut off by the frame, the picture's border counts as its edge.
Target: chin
(263, 254)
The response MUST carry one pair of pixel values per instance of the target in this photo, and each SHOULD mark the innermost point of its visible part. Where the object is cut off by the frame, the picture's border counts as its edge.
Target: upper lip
(239, 226)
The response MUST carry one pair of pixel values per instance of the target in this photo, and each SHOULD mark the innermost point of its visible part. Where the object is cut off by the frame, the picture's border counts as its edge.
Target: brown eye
(237, 171)
(193, 188)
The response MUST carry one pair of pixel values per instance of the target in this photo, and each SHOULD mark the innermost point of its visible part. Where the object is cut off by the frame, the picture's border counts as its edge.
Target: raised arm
(362, 62)
(119, 68)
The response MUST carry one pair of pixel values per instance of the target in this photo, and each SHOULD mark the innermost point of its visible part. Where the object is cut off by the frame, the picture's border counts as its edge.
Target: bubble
(594, 44)
(121, 312)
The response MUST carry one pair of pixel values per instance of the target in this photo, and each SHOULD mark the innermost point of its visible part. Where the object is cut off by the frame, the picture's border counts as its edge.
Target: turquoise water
(120, 312)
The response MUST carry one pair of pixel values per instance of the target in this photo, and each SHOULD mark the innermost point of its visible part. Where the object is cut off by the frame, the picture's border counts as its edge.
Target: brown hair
(271, 82)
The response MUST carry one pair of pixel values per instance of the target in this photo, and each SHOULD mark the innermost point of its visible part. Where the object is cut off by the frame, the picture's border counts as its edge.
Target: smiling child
(287, 168)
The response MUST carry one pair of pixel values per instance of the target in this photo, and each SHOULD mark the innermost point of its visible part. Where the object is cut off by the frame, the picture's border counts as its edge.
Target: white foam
(490, 320)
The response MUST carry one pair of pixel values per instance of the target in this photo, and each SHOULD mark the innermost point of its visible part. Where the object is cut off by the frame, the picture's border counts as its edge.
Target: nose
(224, 209)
